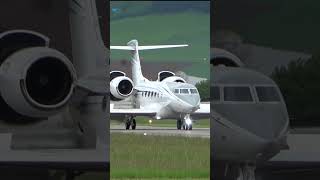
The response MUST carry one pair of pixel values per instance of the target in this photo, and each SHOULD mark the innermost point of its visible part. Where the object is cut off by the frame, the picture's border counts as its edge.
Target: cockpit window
(194, 91)
(242, 94)
(176, 91)
(267, 94)
(184, 91)
(215, 93)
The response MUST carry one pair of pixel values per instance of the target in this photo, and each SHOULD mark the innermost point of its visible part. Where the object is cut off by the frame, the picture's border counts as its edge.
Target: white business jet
(169, 97)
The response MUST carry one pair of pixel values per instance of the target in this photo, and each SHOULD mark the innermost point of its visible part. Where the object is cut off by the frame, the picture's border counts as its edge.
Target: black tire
(133, 126)
(190, 127)
(187, 127)
(184, 127)
(127, 125)
(179, 124)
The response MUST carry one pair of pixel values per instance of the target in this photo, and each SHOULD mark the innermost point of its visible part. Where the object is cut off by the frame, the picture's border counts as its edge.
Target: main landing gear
(130, 122)
(179, 124)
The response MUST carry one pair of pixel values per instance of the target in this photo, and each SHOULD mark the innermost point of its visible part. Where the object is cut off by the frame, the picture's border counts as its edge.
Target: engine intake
(37, 81)
(164, 74)
(223, 57)
(121, 87)
(48, 81)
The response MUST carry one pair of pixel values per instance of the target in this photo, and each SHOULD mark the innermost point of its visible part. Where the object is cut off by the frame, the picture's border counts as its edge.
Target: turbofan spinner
(121, 86)
(36, 81)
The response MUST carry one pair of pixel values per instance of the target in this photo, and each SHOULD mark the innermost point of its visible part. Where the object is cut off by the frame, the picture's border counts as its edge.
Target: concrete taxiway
(163, 131)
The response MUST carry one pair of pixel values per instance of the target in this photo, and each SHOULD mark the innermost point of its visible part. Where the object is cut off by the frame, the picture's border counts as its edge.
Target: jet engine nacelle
(164, 74)
(174, 79)
(168, 76)
(36, 81)
(121, 86)
(223, 57)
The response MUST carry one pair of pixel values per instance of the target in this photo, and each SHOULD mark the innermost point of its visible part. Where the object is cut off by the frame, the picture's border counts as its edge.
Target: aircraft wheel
(127, 125)
(133, 126)
(190, 127)
(179, 124)
(184, 127)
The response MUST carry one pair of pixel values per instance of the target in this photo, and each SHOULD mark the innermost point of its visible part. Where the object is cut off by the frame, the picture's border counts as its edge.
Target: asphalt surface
(163, 131)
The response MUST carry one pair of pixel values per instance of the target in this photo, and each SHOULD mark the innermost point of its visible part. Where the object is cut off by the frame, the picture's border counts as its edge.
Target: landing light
(188, 121)
(150, 121)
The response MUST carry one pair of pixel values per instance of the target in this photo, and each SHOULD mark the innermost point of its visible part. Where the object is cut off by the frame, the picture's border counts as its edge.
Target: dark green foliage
(280, 24)
(204, 90)
(300, 86)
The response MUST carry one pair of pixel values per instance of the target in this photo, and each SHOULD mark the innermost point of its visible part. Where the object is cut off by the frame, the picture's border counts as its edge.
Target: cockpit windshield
(267, 94)
(186, 91)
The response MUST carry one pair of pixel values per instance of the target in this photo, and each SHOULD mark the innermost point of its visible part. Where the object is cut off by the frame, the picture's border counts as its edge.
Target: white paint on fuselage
(159, 96)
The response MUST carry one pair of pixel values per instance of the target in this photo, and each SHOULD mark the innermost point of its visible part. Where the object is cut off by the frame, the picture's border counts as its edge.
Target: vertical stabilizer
(135, 62)
(90, 61)
(88, 50)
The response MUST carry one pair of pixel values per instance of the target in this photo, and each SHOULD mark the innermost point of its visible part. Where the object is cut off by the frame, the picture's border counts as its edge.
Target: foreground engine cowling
(121, 86)
(36, 81)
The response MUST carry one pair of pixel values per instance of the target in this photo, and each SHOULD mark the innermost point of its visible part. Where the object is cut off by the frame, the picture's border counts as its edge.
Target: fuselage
(249, 114)
(168, 99)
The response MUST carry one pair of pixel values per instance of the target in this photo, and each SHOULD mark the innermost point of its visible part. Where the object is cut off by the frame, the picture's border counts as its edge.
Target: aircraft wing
(132, 111)
(203, 112)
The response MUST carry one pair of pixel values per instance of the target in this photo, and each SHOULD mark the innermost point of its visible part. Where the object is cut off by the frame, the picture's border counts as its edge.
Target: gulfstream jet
(169, 96)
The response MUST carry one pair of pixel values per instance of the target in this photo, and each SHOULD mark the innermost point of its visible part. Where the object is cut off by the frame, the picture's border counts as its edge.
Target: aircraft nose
(193, 101)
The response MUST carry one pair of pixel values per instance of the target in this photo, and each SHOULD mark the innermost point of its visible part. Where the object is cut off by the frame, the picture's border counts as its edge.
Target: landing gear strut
(247, 172)
(187, 124)
(130, 121)
(235, 172)
(187, 127)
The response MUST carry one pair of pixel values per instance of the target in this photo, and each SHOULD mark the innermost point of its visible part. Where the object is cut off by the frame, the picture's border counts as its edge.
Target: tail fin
(88, 49)
(135, 60)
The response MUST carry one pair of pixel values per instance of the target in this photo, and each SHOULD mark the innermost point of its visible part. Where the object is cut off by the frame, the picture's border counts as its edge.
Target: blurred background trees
(299, 83)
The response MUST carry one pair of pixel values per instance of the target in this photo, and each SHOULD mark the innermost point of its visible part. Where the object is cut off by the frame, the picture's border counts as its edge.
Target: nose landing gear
(185, 124)
(187, 127)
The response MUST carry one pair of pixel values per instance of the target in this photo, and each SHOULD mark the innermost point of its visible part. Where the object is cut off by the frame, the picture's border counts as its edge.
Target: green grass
(139, 156)
(191, 28)
(144, 121)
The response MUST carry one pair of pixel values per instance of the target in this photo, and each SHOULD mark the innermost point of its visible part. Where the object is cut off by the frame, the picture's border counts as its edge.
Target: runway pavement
(163, 131)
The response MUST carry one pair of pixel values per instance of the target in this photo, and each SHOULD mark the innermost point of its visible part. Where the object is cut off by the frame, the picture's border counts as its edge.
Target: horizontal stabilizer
(122, 47)
(146, 47)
